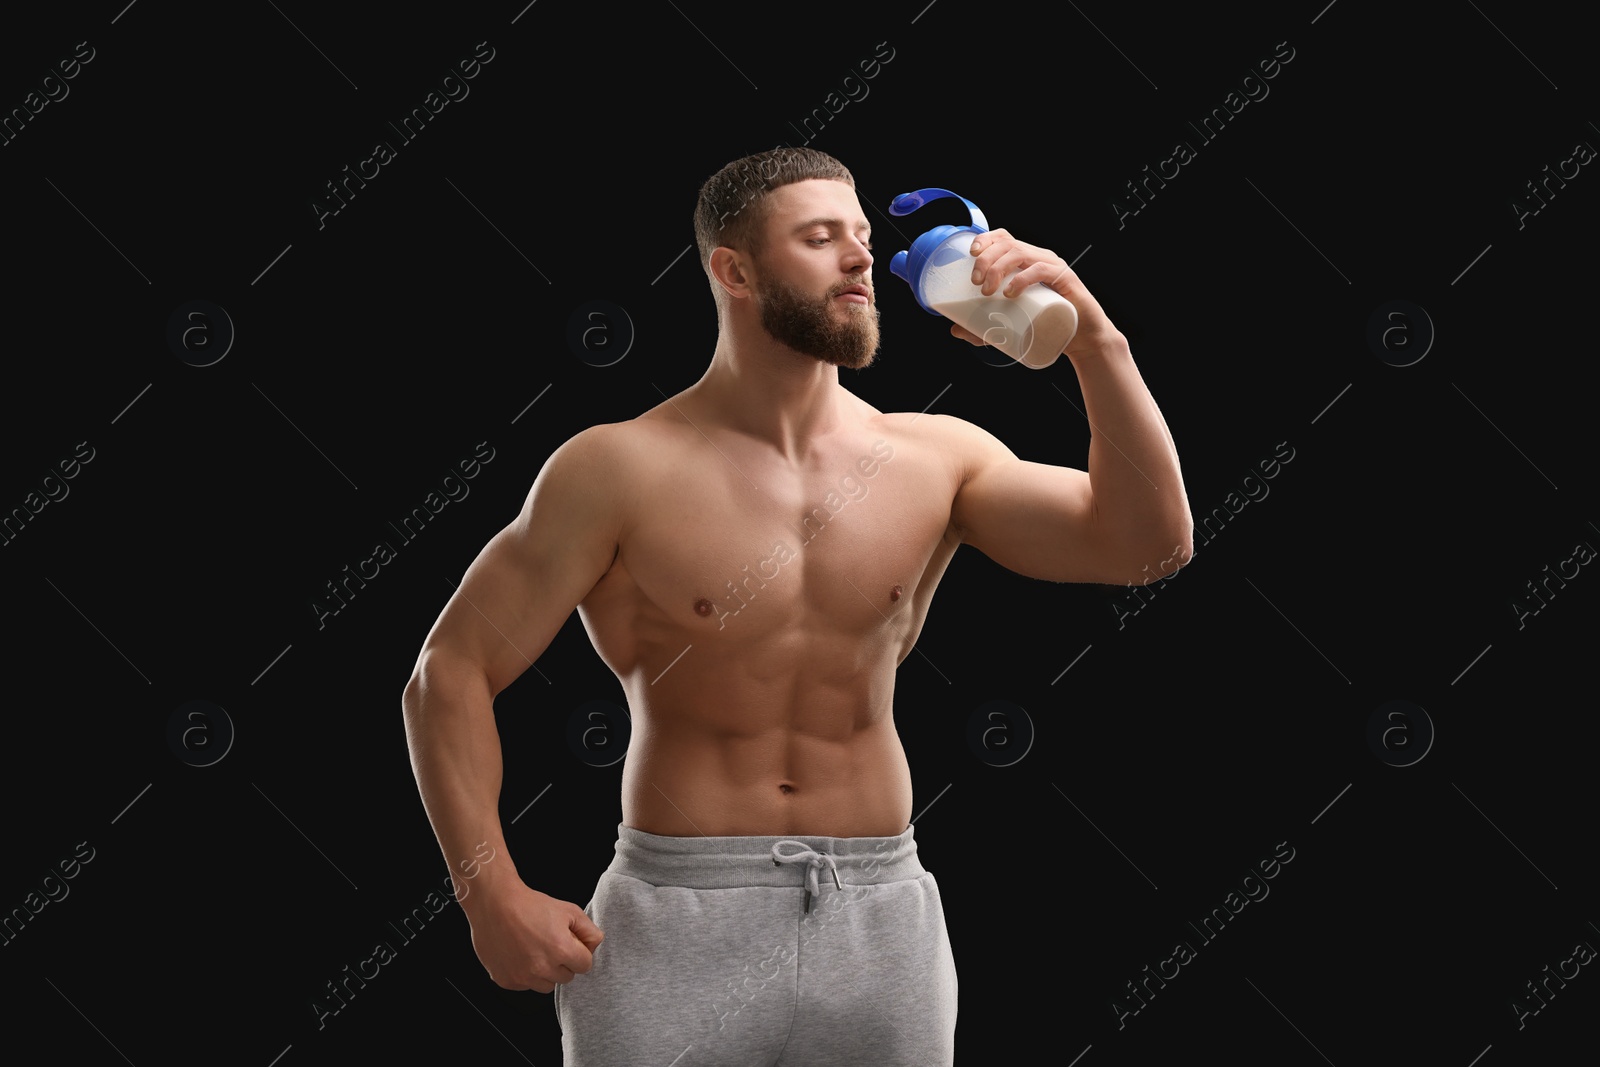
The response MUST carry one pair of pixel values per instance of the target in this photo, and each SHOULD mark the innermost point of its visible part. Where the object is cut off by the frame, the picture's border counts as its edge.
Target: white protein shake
(1031, 327)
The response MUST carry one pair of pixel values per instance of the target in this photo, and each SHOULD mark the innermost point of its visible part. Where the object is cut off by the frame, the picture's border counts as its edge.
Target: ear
(732, 270)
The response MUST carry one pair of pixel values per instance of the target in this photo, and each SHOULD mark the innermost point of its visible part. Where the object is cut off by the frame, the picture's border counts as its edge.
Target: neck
(770, 392)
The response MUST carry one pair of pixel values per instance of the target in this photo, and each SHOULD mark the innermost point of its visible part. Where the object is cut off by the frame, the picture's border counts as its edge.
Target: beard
(813, 328)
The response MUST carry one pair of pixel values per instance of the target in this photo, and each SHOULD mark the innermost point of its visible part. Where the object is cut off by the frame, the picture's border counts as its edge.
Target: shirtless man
(766, 904)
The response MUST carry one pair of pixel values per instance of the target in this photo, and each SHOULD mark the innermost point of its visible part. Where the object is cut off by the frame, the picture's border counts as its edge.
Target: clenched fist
(529, 940)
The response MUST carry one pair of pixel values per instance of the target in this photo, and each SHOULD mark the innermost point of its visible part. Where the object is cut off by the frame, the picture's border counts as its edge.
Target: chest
(735, 542)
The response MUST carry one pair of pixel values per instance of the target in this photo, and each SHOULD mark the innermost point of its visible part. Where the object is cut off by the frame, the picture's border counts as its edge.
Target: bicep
(1036, 519)
(1031, 518)
(532, 575)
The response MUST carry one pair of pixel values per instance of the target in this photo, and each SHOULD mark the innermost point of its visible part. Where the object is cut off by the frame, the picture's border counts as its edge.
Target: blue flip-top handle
(906, 203)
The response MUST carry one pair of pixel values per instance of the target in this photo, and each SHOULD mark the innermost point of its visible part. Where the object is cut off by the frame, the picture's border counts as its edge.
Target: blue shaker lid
(909, 265)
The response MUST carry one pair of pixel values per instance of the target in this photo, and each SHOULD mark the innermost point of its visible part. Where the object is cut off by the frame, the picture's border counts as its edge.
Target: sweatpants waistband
(735, 862)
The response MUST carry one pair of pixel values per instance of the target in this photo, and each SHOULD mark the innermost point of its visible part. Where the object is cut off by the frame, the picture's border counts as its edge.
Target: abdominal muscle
(777, 784)
(781, 723)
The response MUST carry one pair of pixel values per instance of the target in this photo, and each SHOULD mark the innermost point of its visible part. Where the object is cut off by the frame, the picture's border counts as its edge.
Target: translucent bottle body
(1032, 327)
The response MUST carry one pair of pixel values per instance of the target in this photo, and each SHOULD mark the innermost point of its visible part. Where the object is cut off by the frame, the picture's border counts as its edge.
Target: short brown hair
(733, 208)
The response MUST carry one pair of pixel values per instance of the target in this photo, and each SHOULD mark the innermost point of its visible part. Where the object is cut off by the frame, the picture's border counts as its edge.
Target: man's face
(814, 281)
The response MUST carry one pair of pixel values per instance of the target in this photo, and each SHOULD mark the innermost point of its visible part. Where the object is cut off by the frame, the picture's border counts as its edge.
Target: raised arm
(512, 601)
(1127, 519)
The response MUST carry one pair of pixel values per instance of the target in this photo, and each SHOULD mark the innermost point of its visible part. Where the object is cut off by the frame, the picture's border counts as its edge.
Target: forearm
(455, 755)
(1134, 475)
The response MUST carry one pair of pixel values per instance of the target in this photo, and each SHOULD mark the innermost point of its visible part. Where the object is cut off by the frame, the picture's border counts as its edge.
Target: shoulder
(604, 468)
(585, 473)
(592, 457)
(613, 451)
(965, 446)
(953, 451)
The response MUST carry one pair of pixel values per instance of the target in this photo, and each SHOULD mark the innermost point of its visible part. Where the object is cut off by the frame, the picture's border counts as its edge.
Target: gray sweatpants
(763, 952)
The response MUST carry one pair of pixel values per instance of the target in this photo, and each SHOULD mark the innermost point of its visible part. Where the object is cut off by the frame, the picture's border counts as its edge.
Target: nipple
(703, 606)
(894, 594)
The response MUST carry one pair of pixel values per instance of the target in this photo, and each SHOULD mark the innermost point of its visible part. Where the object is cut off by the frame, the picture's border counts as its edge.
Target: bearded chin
(812, 328)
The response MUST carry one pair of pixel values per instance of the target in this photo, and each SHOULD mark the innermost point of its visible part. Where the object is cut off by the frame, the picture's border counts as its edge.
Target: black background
(1184, 743)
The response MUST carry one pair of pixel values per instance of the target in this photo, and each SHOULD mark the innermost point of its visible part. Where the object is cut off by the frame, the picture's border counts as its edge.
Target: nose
(858, 258)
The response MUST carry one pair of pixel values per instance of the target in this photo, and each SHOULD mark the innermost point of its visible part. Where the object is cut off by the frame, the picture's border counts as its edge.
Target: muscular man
(754, 558)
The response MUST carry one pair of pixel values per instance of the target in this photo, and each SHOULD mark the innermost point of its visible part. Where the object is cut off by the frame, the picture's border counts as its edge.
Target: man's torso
(756, 611)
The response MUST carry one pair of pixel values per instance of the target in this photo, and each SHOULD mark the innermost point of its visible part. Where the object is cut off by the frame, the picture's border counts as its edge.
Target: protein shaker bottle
(1032, 327)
